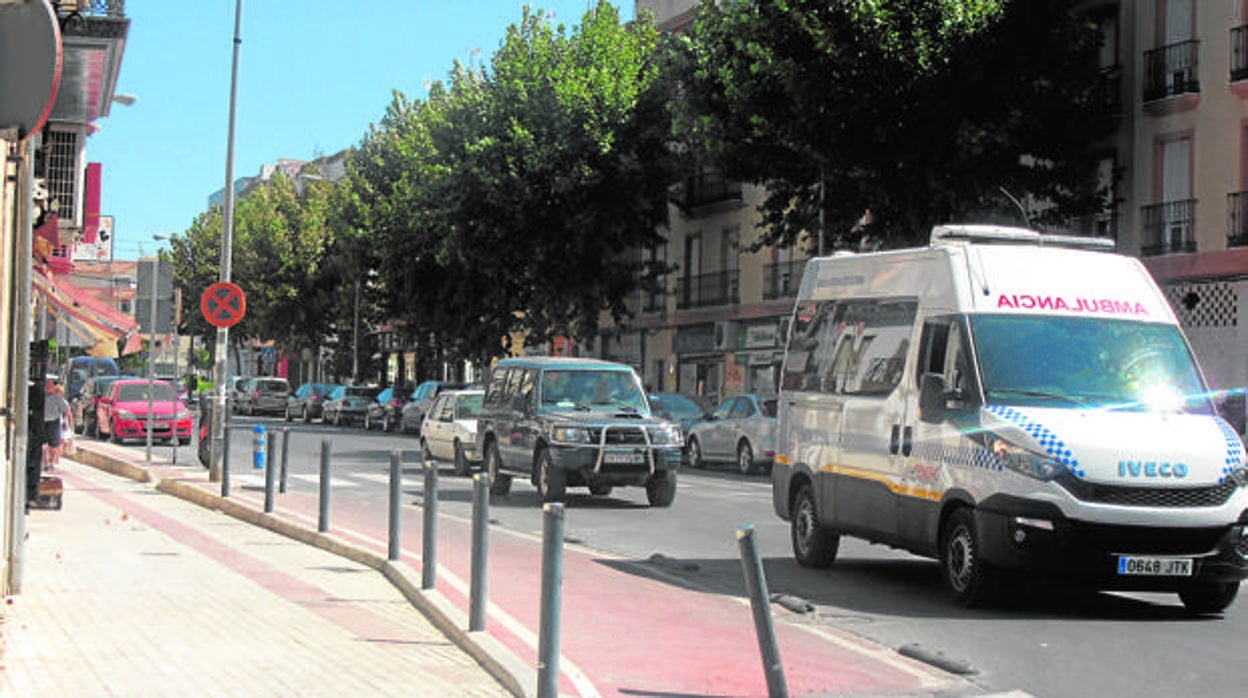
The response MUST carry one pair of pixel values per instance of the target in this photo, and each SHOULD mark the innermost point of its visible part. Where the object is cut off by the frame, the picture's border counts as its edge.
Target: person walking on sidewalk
(55, 412)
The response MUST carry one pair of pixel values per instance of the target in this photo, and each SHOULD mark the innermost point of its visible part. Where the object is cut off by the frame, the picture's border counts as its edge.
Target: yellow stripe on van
(896, 488)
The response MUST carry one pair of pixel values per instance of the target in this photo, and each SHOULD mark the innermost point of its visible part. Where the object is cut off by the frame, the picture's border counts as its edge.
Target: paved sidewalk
(130, 592)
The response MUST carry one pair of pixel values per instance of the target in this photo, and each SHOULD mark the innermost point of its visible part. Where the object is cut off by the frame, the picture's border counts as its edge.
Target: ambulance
(1009, 403)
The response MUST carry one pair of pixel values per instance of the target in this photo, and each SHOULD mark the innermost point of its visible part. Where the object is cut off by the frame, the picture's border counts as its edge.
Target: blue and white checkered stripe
(1050, 442)
(1234, 449)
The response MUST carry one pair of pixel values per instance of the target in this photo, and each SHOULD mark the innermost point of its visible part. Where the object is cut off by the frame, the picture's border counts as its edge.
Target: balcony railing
(1169, 228)
(1171, 70)
(781, 280)
(1237, 219)
(708, 187)
(720, 288)
(1239, 53)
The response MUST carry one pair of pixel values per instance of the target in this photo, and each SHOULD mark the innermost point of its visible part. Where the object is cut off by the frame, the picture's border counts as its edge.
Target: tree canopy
(918, 111)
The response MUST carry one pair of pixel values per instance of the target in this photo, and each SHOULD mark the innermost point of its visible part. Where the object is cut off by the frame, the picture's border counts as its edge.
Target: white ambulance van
(1006, 401)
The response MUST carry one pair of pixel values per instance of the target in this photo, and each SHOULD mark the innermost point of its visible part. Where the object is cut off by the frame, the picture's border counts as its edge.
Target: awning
(90, 318)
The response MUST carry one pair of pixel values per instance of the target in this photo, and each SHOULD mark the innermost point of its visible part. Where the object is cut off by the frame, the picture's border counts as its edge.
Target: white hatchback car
(449, 431)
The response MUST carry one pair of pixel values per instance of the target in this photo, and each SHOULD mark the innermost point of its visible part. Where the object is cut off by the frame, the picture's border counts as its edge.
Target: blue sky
(313, 75)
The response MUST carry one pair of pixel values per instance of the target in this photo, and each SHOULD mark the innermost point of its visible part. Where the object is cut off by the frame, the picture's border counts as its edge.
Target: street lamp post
(151, 346)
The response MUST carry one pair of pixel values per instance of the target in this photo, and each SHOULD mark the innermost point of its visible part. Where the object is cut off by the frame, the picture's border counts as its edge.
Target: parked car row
(117, 408)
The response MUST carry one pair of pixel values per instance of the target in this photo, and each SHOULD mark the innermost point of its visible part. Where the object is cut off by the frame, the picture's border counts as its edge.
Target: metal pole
(227, 242)
(225, 458)
(178, 393)
(760, 603)
(480, 542)
(552, 600)
(355, 339)
(396, 496)
(429, 551)
(285, 452)
(19, 340)
(270, 476)
(151, 353)
(322, 521)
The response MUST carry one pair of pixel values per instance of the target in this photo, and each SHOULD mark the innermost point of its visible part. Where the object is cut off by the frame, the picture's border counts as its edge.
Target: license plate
(1135, 565)
(623, 458)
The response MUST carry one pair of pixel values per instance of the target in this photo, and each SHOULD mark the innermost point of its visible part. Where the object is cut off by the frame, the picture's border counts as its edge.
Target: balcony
(707, 188)
(1172, 70)
(1237, 219)
(1169, 228)
(703, 290)
(781, 280)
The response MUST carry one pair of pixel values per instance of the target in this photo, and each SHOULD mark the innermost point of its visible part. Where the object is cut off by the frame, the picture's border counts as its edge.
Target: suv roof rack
(997, 234)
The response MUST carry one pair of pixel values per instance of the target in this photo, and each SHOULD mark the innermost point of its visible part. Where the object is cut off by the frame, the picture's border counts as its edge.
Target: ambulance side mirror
(1232, 409)
(936, 400)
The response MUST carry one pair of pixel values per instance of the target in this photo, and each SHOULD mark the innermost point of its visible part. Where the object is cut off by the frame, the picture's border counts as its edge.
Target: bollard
(322, 521)
(551, 600)
(285, 453)
(756, 585)
(258, 442)
(270, 475)
(480, 542)
(396, 499)
(225, 461)
(268, 450)
(429, 553)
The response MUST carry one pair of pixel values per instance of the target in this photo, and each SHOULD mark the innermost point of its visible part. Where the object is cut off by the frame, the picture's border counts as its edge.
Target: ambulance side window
(944, 352)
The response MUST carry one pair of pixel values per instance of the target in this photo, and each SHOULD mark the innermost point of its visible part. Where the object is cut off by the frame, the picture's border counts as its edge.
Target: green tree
(920, 111)
(509, 199)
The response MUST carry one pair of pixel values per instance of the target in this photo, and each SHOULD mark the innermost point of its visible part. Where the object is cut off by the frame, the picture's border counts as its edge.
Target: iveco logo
(1135, 468)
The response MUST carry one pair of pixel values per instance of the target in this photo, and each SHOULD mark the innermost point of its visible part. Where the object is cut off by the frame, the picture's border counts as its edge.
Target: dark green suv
(567, 422)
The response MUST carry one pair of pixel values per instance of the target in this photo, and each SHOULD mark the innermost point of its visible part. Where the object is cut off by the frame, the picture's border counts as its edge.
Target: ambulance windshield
(1047, 361)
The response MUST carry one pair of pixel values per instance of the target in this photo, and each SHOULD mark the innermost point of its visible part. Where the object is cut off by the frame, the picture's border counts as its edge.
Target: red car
(124, 414)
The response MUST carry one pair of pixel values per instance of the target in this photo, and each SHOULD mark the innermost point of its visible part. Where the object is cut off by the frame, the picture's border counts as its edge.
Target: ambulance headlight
(1025, 462)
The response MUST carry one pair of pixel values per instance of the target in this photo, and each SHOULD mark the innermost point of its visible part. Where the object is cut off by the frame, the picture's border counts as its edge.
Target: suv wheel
(661, 488)
(462, 467)
(552, 482)
(500, 483)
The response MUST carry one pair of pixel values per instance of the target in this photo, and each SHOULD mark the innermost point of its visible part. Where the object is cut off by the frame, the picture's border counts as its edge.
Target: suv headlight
(569, 434)
(1026, 462)
(666, 435)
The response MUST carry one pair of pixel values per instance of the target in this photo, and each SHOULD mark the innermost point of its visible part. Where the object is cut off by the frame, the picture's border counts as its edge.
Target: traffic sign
(223, 304)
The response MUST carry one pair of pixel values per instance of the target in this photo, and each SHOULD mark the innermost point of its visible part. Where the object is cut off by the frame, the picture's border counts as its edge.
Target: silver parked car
(347, 404)
(264, 394)
(449, 431)
(741, 430)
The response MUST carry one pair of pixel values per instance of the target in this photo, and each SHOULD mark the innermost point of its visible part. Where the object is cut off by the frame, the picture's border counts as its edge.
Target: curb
(493, 656)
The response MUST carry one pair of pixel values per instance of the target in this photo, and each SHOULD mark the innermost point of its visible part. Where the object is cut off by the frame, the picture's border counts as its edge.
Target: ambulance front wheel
(1204, 598)
(813, 545)
(967, 576)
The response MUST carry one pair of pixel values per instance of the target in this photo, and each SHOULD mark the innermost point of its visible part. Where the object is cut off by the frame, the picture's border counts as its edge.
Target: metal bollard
(760, 603)
(322, 521)
(225, 461)
(285, 456)
(552, 600)
(270, 475)
(429, 552)
(259, 442)
(396, 497)
(480, 544)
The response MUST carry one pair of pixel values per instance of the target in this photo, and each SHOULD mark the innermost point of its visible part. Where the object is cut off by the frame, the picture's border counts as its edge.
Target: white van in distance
(1006, 401)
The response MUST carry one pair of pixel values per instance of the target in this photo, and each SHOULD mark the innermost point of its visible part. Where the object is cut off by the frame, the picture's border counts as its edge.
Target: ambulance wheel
(813, 545)
(968, 577)
(1204, 598)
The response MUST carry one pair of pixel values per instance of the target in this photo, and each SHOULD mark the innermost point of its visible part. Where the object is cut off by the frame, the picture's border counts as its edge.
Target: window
(497, 388)
(849, 347)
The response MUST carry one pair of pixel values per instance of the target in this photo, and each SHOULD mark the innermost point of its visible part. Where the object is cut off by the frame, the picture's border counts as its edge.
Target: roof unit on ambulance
(995, 234)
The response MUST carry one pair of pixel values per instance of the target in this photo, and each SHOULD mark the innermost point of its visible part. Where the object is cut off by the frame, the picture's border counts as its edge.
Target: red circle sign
(223, 304)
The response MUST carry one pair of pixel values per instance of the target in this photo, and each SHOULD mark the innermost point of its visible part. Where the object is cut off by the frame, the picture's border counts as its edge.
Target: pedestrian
(67, 431)
(55, 411)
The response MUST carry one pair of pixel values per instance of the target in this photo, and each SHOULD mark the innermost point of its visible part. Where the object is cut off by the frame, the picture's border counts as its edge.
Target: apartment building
(1176, 82)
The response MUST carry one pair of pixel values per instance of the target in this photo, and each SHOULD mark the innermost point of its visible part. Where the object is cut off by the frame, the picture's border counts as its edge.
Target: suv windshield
(589, 389)
(1086, 362)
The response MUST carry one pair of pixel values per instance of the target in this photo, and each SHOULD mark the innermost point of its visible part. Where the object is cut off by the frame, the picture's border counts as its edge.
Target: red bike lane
(625, 627)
